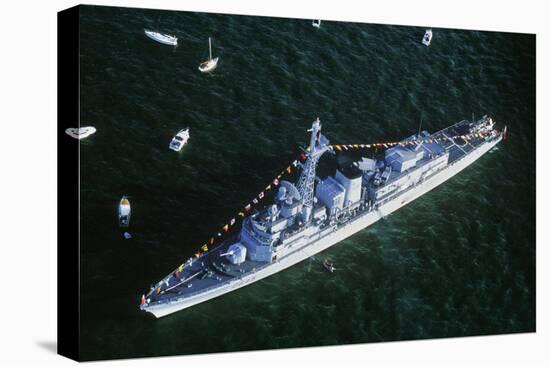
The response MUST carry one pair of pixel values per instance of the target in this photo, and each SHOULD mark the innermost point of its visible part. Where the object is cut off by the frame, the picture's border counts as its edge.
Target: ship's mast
(306, 183)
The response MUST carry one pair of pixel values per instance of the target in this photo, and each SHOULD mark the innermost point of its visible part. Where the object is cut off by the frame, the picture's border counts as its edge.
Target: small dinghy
(80, 133)
(165, 39)
(328, 266)
(124, 212)
(427, 39)
(211, 63)
(179, 140)
(316, 23)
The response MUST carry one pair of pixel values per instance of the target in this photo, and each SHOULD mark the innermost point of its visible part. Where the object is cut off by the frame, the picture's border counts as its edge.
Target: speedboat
(165, 39)
(328, 266)
(179, 140)
(316, 23)
(211, 63)
(124, 211)
(80, 133)
(427, 39)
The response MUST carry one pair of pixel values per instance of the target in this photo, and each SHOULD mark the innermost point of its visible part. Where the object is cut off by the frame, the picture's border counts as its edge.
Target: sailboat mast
(210, 47)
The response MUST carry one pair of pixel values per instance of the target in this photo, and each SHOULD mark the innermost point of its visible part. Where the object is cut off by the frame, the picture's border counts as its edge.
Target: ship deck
(208, 271)
(444, 143)
(457, 148)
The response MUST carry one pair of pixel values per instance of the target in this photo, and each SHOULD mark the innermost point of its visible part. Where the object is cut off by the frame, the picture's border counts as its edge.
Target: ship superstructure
(314, 214)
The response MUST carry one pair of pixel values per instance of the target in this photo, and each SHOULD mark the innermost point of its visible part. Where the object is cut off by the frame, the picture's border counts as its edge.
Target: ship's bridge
(268, 224)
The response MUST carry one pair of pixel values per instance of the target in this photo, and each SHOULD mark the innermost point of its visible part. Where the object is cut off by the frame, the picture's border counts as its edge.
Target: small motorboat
(127, 235)
(165, 39)
(80, 133)
(328, 266)
(179, 140)
(211, 63)
(124, 211)
(427, 39)
(316, 23)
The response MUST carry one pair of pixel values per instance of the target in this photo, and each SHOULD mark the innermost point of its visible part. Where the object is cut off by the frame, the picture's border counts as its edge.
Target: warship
(313, 214)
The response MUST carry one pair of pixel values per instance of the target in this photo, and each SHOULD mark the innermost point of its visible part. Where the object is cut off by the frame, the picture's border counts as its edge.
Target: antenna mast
(317, 147)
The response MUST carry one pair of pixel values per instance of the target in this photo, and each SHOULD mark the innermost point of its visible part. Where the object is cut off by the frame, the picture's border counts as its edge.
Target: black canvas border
(68, 292)
(68, 182)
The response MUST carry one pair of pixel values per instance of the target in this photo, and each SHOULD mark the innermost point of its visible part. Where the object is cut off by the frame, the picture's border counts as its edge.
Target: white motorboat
(165, 39)
(124, 212)
(80, 133)
(316, 23)
(180, 139)
(427, 39)
(211, 63)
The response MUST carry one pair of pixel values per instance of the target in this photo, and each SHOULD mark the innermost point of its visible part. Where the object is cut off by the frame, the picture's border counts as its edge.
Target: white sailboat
(316, 23)
(211, 63)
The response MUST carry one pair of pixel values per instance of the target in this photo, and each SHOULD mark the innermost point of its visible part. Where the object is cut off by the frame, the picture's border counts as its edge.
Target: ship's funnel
(344, 160)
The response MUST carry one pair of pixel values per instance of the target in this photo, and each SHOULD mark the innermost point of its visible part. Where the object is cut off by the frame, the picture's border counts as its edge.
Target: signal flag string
(231, 223)
(467, 137)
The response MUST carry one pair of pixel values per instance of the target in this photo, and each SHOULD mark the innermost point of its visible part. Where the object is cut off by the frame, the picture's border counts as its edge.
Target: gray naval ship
(313, 214)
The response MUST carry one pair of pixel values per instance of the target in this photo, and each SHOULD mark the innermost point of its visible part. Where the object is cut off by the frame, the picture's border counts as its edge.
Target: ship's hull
(327, 240)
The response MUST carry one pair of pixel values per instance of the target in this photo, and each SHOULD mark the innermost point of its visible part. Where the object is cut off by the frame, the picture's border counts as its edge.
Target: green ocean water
(459, 261)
